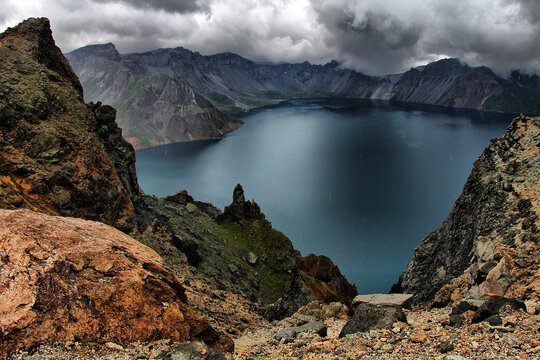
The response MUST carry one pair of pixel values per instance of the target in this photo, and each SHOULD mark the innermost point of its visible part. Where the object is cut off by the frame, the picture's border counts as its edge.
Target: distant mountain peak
(107, 51)
(332, 64)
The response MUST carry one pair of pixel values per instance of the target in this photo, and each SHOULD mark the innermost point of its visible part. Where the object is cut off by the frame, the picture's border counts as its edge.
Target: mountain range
(166, 95)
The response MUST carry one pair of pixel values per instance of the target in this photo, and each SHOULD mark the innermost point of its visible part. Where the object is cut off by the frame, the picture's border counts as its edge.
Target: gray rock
(189, 247)
(456, 320)
(313, 326)
(369, 317)
(466, 305)
(512, 340)
(455, 357)
(502, 329)
(493, 305)
(446, 346)
(537, 309)
(494, 320)
(400, 300)
(234, 270)
(287, 335)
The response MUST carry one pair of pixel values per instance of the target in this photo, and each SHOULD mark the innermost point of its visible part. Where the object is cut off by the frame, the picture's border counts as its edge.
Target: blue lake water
(358, 181)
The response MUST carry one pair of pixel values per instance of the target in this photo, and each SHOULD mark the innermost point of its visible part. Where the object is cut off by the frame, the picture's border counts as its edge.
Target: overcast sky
(373, 36)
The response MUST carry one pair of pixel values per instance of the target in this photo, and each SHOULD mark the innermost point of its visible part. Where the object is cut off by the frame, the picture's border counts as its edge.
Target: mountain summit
(155, 105)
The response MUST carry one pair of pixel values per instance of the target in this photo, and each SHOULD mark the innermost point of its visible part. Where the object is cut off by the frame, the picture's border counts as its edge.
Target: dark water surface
(360, 182)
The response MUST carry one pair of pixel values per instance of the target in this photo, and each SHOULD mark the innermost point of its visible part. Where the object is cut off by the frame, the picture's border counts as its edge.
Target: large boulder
(66, 279)
(493, 305)
(399, 300)
(370, 317)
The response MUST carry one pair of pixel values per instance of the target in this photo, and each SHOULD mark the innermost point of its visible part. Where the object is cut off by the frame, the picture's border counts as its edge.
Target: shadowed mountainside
(490, 241)
(154, 108)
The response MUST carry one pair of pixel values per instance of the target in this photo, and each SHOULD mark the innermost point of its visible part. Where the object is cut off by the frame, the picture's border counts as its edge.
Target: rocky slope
(235, 251)
(66, 279)
(153, 108)
(324, 280)
(233, 83)
(490, 242)
(425, 335)
(52, 160)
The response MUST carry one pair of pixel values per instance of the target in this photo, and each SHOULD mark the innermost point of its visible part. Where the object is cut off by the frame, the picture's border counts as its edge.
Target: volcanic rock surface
(490, 242)
(52, 159)
(66, 279)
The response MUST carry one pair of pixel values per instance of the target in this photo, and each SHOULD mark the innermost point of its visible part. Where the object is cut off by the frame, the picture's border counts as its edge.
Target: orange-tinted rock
(66, 279)
(324, 280)
(52, 159)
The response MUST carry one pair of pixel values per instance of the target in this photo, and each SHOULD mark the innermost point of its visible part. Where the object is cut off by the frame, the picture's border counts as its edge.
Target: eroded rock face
(66, 279)
(490, 242)
(324, 280)
(241, 210)
(52, 159)
(154, 108)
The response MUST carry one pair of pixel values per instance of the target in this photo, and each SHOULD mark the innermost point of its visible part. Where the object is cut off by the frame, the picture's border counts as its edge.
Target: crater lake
(358, 181)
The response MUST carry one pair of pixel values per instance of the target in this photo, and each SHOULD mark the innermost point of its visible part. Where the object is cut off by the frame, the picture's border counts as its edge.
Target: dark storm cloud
(389, 36)
(373, 36)
(530, 10)
(175, 6)
(371, 41)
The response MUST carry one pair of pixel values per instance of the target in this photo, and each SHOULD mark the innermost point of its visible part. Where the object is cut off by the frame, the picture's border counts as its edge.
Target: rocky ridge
(52, 160)
(234, 84)
(153, 108)
(490, 242)
(324, 280)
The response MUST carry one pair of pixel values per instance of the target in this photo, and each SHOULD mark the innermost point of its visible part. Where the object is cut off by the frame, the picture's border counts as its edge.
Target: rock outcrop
(234, 84)
(490, 242)
(154, 108)
(52, 160)
(324, 280)
(237, 250)
(66, 279)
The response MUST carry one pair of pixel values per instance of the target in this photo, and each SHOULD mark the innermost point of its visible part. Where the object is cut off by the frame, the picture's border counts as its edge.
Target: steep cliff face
(490, 242)
(52, 159)
(233, 83)
(153, 108)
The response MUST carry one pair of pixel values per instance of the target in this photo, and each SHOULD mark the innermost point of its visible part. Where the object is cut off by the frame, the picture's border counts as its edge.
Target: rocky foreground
(316, 331)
